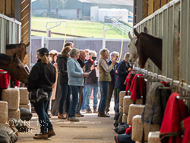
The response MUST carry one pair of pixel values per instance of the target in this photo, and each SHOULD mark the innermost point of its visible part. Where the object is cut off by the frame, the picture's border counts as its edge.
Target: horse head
(142, 59)
(22, 50)
(132, 49)
(17, 70)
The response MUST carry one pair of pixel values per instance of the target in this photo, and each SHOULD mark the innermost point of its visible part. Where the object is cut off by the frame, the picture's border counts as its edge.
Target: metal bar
(165, 87)
(188, 43)
(182, 98)
(183, 39)
(169, 46)
(9, 19)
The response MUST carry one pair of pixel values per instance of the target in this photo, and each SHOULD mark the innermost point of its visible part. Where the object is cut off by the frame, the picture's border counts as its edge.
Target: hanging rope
(121, 48)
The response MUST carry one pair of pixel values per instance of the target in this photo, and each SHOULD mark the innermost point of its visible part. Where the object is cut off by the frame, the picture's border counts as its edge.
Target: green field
(76, 27)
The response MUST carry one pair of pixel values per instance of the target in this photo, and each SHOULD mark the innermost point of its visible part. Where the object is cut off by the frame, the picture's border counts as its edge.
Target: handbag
(38, 95)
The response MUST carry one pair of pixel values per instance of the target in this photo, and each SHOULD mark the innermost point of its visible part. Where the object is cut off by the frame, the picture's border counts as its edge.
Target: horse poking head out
(14, 67)
(149, 46)
(132, 49)
(19, 49)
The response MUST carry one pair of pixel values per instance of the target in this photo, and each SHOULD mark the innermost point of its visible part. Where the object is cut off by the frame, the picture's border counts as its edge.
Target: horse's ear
(21, 41)
(27, 44)
(130, 36)
(145, 30)
(136, 33)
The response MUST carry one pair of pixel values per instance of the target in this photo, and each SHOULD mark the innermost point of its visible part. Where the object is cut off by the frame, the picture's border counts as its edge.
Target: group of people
(79, 74)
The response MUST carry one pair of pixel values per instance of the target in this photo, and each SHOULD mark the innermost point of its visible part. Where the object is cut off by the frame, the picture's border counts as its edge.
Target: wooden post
(163, 2)
(2, 6)
(139, 10)
(145, 9)
(150, 7)
(8, 8)
(157, 4)
(134, 12)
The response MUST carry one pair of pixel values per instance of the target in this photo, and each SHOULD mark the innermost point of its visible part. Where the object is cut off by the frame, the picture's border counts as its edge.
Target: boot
(51, 133)
(88, 110)
(102, 115)
(41, 136)
(95, 109)
(60, 116)
(73, 119)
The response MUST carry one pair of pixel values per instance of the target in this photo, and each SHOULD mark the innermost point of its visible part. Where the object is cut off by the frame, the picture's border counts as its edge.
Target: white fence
(10, 32)
(172, 24)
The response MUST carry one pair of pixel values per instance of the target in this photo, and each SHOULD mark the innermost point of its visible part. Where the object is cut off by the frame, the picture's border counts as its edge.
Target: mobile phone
(95, 65)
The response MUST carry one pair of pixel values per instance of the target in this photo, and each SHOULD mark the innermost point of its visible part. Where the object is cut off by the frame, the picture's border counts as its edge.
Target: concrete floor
(90, 129)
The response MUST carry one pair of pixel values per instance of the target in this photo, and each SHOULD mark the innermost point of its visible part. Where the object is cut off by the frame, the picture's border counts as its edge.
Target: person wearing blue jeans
(43, 118)
(63, 80)
(104, 79)
(76, 80)
(84, 97)
(42, 75)
(89, 88)
(91, 82)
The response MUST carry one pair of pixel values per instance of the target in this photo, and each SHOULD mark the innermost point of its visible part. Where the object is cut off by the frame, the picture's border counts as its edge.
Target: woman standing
(76, 80)
(42, 75)
(122, 71)
(63, 80)
(104, 79)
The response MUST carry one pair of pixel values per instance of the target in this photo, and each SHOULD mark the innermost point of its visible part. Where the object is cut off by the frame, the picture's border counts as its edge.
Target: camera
(95, 65)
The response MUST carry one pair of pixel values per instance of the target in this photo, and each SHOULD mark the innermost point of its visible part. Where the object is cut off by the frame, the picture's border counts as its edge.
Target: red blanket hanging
(175, 112)
(4, 79)
(129, 80)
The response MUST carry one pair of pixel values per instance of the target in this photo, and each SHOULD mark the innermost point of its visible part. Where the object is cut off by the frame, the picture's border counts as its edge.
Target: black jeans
(65, 96)
(44, 121)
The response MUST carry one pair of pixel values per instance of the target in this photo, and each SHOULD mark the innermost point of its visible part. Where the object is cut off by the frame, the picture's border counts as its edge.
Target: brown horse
(19, 49)
(14, 67)
(149, 46)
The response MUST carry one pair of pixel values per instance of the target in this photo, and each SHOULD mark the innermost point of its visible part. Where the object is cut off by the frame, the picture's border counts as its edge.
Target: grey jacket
(75, 73)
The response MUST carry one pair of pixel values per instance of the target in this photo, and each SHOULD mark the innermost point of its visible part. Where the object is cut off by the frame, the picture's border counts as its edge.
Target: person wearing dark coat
(91, 83)
(113, 55)
(63, 80)
(122, 71)
(42, 75)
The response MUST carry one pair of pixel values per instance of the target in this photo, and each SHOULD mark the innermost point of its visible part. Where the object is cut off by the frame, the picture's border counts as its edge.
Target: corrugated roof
(114, 2)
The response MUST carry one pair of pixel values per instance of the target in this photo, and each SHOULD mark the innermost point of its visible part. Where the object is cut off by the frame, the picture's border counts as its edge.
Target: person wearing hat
(42, 75)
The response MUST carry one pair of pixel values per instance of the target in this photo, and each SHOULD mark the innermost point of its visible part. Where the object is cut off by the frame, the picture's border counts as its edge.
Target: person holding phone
(91, 82)
(76, 80)
(104, 79)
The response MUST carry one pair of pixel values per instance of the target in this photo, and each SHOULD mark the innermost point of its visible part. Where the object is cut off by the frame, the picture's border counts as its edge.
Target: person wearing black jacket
(42, 75)
(63, 80)
(113, 55)
(91, 82)
(122, 71)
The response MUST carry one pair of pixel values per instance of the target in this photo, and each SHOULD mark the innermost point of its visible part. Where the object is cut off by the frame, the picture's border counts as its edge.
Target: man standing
(69, 44)
(81, 62)
(113, 55)
(91, 82)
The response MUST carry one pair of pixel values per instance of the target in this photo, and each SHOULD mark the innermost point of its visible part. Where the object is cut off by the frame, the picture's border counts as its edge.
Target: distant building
(79, 9)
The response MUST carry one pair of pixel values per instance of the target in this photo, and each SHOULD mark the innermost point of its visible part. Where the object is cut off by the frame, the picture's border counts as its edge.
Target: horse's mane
(12, 46)
(5, 57)
(150, 36)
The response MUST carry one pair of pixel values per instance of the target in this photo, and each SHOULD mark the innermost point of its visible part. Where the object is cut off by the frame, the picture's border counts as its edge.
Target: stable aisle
(90, 129)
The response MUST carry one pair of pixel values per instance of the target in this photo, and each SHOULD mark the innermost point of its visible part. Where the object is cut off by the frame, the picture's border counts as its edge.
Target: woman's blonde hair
(126, 56)
(65, 51)
(103, 52)
(44, 58)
